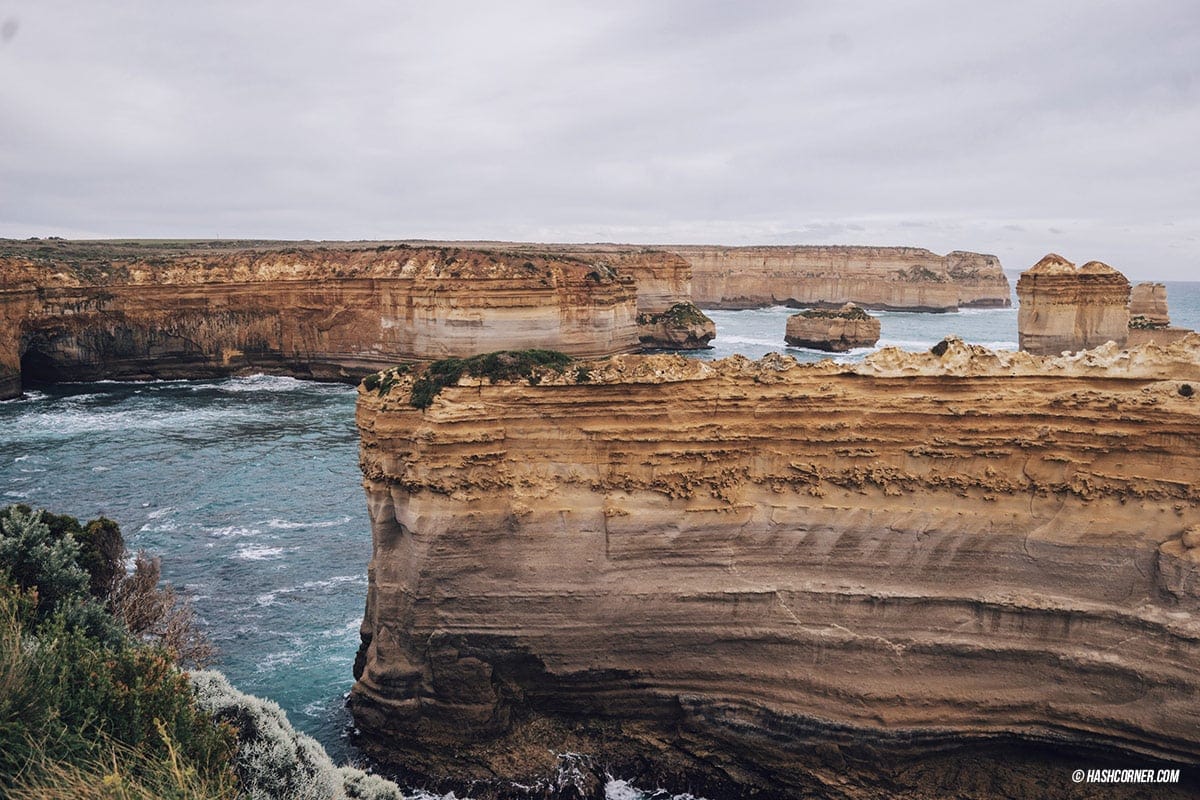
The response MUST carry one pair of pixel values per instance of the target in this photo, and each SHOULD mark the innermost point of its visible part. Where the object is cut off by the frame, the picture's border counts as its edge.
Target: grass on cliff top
(825, 313)
(678, 314)
(503, 365)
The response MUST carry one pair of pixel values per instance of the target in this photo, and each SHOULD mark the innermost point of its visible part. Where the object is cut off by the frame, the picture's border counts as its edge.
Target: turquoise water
(249, 490)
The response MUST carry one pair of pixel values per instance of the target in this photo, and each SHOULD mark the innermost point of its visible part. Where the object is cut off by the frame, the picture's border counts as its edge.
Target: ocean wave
(728, 340)
(288, 525)
(232, 531)
(270, 598)
(252, 552)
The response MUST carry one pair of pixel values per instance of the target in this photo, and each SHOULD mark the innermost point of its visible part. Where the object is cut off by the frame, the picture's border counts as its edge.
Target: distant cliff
(902, 278)
(79, 311)
(919, 574)
(716, 276)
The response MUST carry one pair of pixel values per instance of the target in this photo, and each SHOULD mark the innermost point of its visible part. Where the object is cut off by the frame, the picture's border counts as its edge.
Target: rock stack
(1149, 320)
(833, 331)
(1069, 308)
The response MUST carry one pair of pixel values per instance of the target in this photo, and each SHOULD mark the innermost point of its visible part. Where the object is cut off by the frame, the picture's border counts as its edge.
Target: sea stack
(1149, 301)
(1069, 308)
(1149, 320)
(833, 331)
(680, 327)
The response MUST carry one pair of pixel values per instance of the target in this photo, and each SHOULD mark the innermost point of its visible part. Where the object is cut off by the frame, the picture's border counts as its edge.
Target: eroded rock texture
(327, 313)
(1064, 308)
(957, 573)
(834, 331)
(906, 278)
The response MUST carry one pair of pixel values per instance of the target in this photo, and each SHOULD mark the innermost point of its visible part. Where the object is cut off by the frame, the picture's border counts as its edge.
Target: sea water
(248, 488)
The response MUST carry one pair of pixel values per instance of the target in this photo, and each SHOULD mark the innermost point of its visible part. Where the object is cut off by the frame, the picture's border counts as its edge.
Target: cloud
(938, 124)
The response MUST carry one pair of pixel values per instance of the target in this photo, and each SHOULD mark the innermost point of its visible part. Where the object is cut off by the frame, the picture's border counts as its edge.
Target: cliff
(903, 278)
(834, 331)
(84, 312)
(1149, 301)
(957, 573)
(1067, 308)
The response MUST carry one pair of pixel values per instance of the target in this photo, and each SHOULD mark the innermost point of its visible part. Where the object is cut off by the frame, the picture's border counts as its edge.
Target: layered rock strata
(667, 319)
(901, 278)
(958, 573)
(832, 331)
(326, 313)
(1064, 308)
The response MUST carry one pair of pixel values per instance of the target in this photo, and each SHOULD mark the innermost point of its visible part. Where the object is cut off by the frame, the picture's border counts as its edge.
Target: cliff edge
(958, 572)
(86, 311)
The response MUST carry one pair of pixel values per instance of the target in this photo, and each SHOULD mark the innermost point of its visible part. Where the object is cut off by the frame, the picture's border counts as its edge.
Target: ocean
(248, 488)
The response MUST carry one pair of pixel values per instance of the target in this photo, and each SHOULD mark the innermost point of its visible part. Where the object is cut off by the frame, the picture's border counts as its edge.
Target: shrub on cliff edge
(276, 762)
(503, 365)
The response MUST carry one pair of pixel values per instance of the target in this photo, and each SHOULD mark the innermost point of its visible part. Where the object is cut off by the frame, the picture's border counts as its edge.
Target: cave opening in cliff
(37, 366)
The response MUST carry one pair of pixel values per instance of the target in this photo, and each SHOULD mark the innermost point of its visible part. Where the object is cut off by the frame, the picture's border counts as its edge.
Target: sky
(1013, 128)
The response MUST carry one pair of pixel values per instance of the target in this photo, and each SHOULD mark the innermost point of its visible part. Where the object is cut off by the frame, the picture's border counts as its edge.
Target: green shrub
(504, 365)
(680, 314)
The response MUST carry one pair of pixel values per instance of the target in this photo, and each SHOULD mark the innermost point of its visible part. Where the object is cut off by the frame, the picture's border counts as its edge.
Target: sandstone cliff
(83, 313)
(1149, 301)
(1149, 319)
(957, 573)
(1067, 308)
(905, 278)
(834, 331)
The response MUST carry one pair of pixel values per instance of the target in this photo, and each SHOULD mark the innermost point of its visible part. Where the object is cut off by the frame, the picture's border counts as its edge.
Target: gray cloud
(940, 124)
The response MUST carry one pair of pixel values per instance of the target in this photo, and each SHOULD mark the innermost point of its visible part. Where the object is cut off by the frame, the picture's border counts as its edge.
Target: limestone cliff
(906, 278)
(1067, 308)
(1149, 301)
(958, 573)
(834, 331)
(1149, 319)
(81, 313)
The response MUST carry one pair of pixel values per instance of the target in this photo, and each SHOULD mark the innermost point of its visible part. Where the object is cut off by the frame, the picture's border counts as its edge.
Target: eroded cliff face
(1064, 308)
(327, 313)
(905, 278)
(954, 572)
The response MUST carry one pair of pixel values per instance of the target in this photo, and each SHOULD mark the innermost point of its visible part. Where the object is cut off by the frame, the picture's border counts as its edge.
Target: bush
(69, 698)
(276, 762)
(504, 365)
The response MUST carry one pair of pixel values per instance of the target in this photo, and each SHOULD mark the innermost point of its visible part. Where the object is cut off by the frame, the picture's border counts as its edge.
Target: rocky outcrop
(832, 331)
(901, 278)
(1149, 320)
(1149, 302)
(956, 573)
(680, 327)
(327, 313)
(1064, 308)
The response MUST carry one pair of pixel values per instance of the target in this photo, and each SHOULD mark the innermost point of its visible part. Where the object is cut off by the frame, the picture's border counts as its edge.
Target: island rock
(832, 331)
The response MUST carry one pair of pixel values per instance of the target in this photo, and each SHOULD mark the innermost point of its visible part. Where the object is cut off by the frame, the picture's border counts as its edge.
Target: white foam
(257, 553)
(288, 525)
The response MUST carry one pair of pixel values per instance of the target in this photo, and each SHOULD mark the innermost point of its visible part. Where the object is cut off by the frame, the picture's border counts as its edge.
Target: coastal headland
(157, 309)
(778, 580)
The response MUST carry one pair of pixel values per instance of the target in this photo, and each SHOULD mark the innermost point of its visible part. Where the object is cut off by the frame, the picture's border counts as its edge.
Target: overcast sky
(1015, 128)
